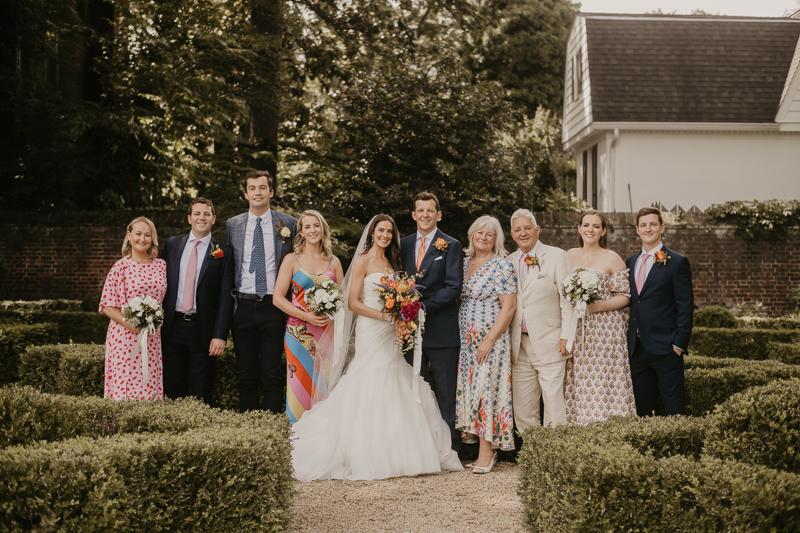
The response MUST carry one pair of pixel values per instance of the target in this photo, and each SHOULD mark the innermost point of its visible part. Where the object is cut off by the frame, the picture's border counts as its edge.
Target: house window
(585, 192)
(577, 74)
(594, 176)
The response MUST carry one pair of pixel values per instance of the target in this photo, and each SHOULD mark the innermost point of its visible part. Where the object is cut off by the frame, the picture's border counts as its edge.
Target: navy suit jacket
(443, 276)
(212, 299)
(663, 311)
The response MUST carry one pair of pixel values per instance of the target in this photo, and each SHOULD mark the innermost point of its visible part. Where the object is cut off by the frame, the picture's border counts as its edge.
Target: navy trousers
(188, 369)
(650, 372)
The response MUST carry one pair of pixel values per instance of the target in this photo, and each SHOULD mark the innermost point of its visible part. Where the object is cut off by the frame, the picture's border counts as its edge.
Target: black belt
(253, 297)
(185, 316)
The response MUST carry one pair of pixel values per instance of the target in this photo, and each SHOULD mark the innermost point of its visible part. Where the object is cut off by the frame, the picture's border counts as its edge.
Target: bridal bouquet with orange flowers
(399, 294)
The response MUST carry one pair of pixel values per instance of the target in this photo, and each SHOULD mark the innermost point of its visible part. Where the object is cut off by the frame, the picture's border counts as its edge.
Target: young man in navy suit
(662, 304)
(197, 307)
(440, 260)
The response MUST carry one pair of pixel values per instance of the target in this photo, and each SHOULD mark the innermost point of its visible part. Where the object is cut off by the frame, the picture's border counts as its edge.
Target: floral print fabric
(483, 392)
(597, 383)
(123, 376)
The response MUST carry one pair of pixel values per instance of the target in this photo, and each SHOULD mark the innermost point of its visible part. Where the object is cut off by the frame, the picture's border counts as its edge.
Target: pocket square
(439, 258)
(540, 276)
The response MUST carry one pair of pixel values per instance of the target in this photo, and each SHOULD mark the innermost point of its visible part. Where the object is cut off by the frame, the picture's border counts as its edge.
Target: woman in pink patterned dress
(597, 384)
(138, 273)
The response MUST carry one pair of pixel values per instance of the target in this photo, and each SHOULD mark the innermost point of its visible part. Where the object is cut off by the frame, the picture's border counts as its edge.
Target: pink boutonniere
(660, 258)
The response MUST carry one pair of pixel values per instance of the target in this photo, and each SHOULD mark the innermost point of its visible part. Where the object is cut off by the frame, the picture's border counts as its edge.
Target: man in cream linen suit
(539, 330)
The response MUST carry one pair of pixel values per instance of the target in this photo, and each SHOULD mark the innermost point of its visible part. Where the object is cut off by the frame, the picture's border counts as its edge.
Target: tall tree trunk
(265, 102)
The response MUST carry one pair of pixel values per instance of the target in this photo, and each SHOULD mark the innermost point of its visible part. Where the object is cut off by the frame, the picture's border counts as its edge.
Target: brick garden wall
(67, 255)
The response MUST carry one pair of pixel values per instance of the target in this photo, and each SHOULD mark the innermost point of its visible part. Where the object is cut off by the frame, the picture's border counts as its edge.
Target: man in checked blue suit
(260, 238)
(440, 260)
(662, 305)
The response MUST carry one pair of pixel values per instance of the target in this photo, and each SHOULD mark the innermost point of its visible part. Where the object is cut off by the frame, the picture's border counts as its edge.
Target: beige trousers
(531, 380)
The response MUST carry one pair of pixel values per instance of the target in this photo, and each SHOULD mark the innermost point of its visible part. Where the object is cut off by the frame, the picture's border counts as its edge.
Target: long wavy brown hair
(603, 221)
(393, 254)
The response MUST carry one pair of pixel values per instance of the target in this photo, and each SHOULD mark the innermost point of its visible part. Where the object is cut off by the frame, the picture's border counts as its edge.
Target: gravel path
(453, 501)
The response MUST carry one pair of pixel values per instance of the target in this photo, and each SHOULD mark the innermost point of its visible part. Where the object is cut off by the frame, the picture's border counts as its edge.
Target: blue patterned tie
(258, 263)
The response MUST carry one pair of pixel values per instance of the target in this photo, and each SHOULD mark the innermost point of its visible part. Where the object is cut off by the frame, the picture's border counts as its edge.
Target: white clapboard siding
(577, 112)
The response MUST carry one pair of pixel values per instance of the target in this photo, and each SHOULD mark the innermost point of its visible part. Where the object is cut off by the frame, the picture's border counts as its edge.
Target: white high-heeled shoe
(485, 469)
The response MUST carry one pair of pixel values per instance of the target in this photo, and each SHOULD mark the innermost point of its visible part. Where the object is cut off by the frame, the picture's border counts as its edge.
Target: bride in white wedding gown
(371, 426)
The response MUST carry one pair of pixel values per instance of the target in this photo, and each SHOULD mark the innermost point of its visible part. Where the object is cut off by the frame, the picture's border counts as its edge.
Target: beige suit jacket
(547, 314)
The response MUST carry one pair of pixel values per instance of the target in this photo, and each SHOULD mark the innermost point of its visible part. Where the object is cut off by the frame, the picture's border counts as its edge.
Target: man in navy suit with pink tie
(662, 305)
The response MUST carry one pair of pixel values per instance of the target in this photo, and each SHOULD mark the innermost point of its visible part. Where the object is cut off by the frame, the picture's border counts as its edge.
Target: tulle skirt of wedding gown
(371, 426)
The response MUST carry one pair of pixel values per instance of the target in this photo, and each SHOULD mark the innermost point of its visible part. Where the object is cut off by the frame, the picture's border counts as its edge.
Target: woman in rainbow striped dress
(309, 336)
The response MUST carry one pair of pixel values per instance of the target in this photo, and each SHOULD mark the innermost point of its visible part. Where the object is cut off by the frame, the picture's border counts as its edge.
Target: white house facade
(680, 110)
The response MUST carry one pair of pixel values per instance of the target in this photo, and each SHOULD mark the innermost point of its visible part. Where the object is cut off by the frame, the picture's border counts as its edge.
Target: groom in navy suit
(197, 307)
(662, 304)
(440, 260)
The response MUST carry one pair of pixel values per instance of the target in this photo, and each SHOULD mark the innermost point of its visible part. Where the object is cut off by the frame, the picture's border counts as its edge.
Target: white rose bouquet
(325, 297)
(143, 312)
(581, 288)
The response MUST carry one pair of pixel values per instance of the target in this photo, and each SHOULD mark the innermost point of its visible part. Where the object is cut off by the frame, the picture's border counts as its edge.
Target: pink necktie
(191, 274)
(421, 252)
(642, 271)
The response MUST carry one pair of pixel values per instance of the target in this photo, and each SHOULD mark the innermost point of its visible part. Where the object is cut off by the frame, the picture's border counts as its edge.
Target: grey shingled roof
(679, 69)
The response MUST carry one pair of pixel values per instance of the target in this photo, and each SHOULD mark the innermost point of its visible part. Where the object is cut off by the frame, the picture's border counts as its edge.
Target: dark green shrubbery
(701, 361)
(14, 339)
(73, 369)
(735, 470)
(781, 322)
(741, 343)
(785, 352)
(709, 387)
(714, 316)
(53, 305)
(226, 380)
(759, 426)
(195, 469)
(91, 304)
(73, 326)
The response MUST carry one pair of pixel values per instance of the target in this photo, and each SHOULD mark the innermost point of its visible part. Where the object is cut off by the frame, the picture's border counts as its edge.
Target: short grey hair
(523, 213)
(493, 225)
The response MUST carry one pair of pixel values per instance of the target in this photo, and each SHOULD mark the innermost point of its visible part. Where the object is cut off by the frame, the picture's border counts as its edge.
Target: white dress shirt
(202, 250)
(249, 280)
(649, 263)
(428, 239)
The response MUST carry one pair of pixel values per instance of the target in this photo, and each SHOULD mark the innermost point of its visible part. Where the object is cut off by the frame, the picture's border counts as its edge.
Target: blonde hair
(152, 252)
(493, 225)
(299, 243)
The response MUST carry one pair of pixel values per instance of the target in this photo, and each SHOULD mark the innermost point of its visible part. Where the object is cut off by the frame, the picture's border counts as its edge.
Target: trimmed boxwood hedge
(74, 369)
(785, 352)
(708, 387)
(628, 475)
(781, 322)
(14, 339)
(73, 326)
(55, 305)
(713, 316)
(172, 466)
(760, 426)
(742, 343)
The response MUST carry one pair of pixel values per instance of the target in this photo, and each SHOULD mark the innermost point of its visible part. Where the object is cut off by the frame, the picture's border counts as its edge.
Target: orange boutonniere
(216, 252)
(282, 230)
(532, 261)
(660, 257)
(441, 244)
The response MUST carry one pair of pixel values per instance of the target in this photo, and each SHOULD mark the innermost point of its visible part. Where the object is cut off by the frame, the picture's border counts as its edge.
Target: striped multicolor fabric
(308, 351)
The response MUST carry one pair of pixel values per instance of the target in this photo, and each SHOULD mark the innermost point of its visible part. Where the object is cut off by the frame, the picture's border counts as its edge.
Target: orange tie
(420, 252)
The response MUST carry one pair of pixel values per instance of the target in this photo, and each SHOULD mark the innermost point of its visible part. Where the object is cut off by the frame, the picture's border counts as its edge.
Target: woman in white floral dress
(488, 303)
(597, 384)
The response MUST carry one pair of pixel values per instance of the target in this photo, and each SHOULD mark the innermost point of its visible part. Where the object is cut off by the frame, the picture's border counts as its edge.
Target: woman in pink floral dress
(138, 273)
(597, 384)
